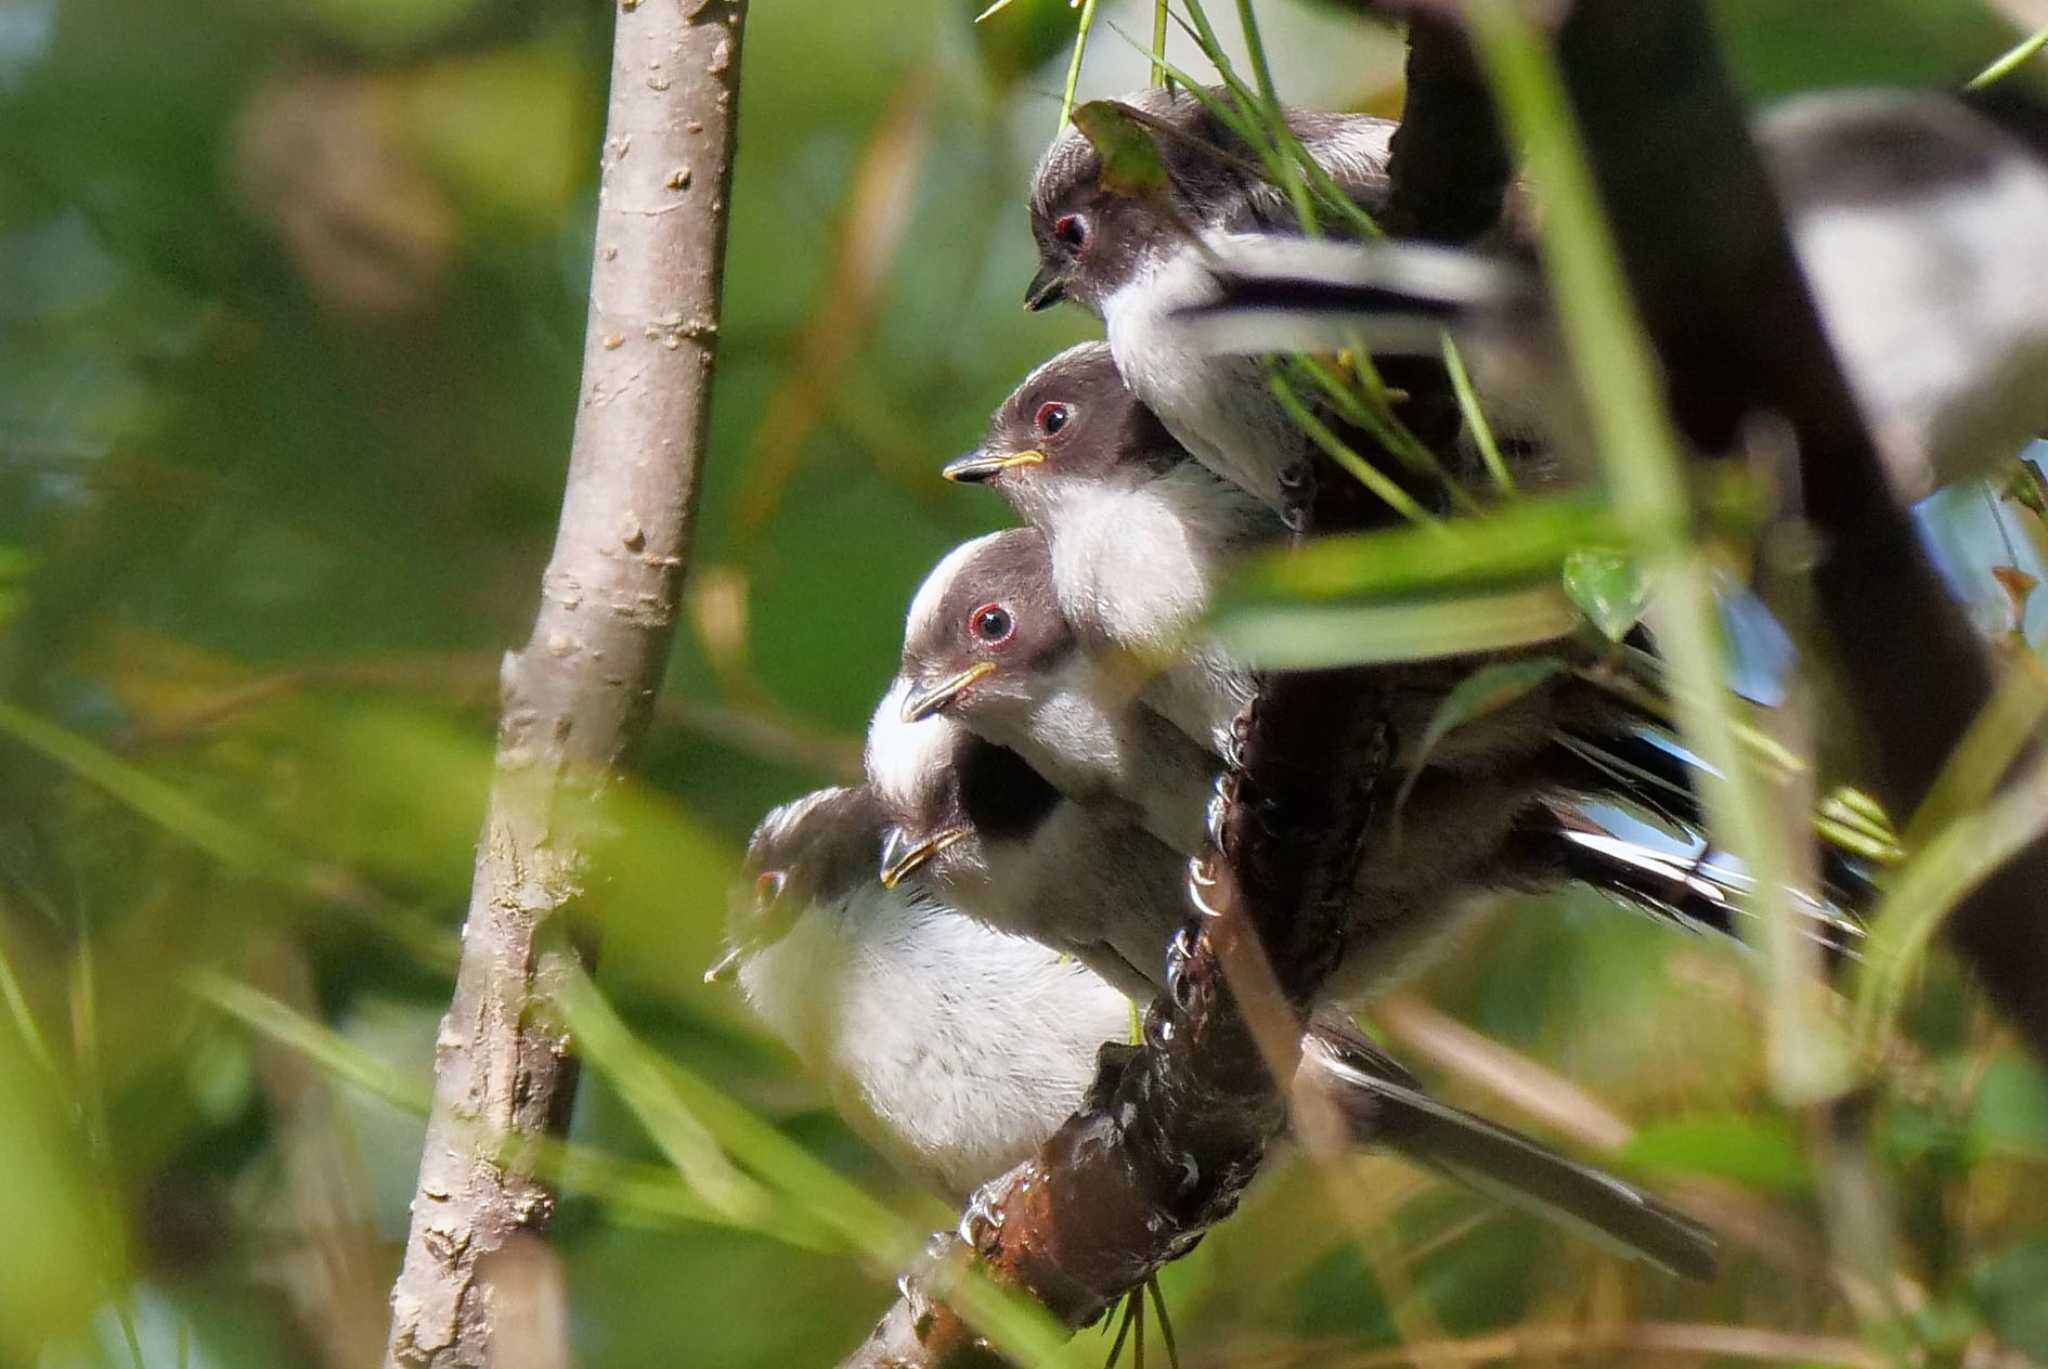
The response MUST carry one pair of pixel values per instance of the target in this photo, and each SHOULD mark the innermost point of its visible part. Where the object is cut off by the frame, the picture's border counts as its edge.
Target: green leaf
(629, 1188)
(61, 1250)
(1131, 164)
(1312, 636)
(165, 805)
(1486, 690)
(2027, 487)
(1760, 1152)
(1019, 1328)
(1608, 586)
(2008, 1289)
(2010, 62)
(640, 1077)
(1523, 545)
(2012, 1110)
(324, 1047)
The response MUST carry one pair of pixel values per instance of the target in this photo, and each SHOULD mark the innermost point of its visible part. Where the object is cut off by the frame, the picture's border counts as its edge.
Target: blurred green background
(291, 298)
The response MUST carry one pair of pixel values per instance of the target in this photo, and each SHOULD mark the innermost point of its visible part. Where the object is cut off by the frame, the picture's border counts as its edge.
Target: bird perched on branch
(985, 641)
(1920, 221)
(1036, 865)
(1140, 534)
(1133, 262)
(1498, 802)
(952, 1048)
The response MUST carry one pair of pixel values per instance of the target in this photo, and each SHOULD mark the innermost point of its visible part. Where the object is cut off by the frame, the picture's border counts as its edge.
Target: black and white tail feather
(1279, 293)
(1381, 1100)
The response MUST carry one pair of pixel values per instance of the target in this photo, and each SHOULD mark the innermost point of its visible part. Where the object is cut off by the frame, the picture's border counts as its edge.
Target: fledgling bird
(1920, 220)
(1134, 264)
(1490, 806)
(1050, 868)
(1085, 879)
(985, 641)
(1140, 534)
(952, 1048)
(956, 1050)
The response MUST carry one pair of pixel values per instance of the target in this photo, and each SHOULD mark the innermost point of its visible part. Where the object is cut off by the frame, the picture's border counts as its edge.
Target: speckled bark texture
(576, 698)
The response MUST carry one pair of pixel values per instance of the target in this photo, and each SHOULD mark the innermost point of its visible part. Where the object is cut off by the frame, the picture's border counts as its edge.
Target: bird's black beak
(903, 853)
(1047, 288)
(920, 704)
(979, 465)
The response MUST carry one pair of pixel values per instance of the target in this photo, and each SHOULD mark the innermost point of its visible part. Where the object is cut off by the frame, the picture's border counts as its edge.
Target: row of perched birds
(949, 945)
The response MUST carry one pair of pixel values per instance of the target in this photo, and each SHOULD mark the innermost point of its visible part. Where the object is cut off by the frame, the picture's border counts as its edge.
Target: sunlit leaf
(57, 1259)
(637, 1190)
(1762, 1152)
(638, 1075)
(1131, 162)
(1608, 587)
(2008, 1290)
(161, 803)
(2012, 1109)
(1525, 544)
(328, 1049)
(2027, 487)
(1312, 635)
(1486, 690)
(822, 1194)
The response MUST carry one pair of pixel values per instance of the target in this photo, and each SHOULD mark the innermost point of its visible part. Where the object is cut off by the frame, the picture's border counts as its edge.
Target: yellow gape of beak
(901, 855)
(978, 466)
(922, 703)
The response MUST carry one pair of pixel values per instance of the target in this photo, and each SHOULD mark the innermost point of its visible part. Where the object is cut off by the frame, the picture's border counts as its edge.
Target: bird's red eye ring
(1052, 417)
(768, 886)
(991, 625)
(1071, 230)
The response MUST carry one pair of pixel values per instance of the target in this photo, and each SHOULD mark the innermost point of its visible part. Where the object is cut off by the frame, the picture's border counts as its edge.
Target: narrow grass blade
(1475, 418)
(1016, 1327)
(641, 1078)
(1081, 31)
(1312, 636)
(1645, 466)
(2009, 62)
(146, 795)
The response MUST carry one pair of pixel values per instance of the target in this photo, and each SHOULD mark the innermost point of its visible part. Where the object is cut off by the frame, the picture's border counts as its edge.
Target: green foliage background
(291, 299)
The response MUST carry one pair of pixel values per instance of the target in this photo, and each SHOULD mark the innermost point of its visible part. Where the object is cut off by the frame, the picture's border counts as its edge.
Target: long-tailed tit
(1920, 220)
(1141, 535)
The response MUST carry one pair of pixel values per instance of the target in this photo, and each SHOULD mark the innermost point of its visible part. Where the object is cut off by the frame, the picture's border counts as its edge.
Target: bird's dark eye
(1052, 418)
(991, 624)
(768, 887)
(1071, 230)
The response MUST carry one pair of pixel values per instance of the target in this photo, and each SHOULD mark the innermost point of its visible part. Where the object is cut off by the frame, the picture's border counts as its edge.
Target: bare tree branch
(575, 700)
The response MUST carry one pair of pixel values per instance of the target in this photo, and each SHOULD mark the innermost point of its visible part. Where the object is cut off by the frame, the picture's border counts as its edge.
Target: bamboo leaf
(1523, 545)
(1608, 587)
(888, 1241)
(1760, 1152)
(1308, 636)
(1485, 691)
(1131, 161)
(641, 1079)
